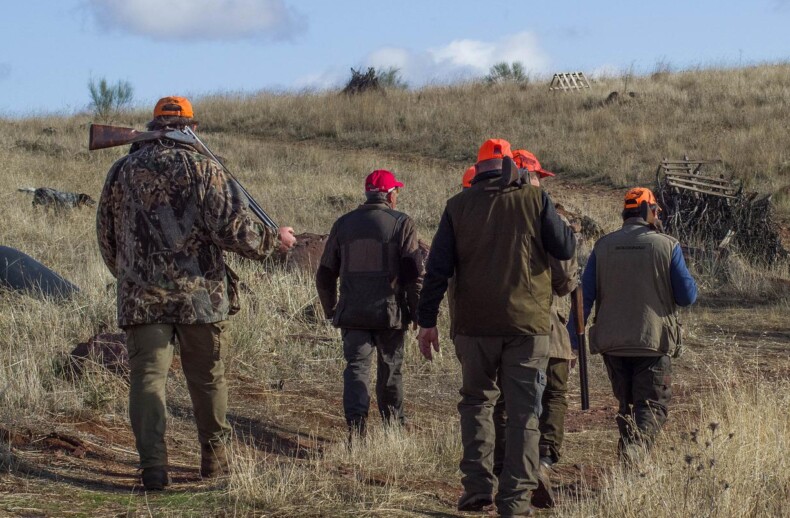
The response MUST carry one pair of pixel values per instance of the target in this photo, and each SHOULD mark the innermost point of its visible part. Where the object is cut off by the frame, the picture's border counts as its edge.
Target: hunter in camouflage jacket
(165, 216)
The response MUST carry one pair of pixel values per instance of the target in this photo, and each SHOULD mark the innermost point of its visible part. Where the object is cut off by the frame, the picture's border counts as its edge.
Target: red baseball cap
(381, 180)
(526, 160)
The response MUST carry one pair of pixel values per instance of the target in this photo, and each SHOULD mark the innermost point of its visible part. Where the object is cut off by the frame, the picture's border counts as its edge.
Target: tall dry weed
(728, 459)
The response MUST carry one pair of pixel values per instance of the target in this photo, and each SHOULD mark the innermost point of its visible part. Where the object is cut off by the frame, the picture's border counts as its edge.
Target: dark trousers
(516, 364)
(554, 406)
(642, 385)
(358, 347)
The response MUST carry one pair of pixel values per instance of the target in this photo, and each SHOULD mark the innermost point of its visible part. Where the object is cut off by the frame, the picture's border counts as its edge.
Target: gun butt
(102, 136)
(577, 305)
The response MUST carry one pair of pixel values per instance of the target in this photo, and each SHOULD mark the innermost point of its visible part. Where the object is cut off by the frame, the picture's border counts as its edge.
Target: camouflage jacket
(165, 216)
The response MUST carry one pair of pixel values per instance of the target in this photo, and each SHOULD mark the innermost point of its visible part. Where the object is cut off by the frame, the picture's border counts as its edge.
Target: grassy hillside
(304, 157)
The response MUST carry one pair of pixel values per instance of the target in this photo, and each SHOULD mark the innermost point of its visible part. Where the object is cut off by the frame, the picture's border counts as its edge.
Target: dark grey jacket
(374, 251)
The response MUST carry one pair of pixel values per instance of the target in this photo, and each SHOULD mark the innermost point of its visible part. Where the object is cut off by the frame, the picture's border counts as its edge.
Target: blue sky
(51, 48)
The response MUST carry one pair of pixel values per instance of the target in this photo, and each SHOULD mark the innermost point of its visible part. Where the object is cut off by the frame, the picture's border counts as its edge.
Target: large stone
(105, 349)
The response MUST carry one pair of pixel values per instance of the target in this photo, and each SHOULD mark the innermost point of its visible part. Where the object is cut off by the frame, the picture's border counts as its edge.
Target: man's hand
(427, 337)
(287, 238)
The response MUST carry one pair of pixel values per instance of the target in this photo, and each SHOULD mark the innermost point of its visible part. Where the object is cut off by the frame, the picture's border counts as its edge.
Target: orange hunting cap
(526, 160)
(494, 148)
(173, 107)
(635, 197)
(468, 175)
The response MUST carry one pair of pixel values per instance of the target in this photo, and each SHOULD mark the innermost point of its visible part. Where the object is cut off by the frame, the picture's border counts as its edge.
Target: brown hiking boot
(474, 503)
(213, 460)
(543, 496)
(155, 478)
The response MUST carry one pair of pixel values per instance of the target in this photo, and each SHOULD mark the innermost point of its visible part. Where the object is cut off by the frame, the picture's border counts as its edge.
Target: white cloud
(199, 19)
(457, 60)
(330, 78)
(464, 59)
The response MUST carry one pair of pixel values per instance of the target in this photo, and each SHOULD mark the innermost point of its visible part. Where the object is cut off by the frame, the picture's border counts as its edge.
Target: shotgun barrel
(102, 136)
(254, 206)
(577, 301)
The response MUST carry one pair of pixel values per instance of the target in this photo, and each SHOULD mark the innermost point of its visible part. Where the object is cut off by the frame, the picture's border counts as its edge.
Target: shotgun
(102, 136)
(577, 302)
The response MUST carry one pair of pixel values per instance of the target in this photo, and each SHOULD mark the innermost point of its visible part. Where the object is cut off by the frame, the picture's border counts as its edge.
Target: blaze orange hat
(494, 148)
(468, 175)
(635, 197)
(173, 107)
(526, 160)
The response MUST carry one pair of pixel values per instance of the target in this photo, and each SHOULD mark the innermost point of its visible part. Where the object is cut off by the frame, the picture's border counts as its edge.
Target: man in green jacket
(494, 240)
(374, 251)
(637, 278)
(554, 404)
(166, 215)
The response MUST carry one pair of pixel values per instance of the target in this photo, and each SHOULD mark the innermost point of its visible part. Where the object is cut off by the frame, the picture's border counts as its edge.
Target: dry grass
(727, 461)
(379, 476)
(304, 158)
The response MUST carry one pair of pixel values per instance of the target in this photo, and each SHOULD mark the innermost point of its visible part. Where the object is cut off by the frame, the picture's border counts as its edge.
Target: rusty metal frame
(687, 175)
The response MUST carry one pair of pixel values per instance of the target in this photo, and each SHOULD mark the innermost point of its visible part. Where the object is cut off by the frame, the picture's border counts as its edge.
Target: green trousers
(517, 364)
(555, 406)
(202, 348)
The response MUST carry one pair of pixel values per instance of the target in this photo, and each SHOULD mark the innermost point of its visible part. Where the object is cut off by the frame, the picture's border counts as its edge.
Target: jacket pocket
(593, 336)
(338, 313)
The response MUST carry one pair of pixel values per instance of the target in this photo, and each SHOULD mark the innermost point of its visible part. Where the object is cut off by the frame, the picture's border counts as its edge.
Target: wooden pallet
(687, 175)
(569, 82)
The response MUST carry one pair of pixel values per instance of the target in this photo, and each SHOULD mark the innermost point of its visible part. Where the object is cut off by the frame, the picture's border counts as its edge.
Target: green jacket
(165, 216)
(495, 243)
(564, 279)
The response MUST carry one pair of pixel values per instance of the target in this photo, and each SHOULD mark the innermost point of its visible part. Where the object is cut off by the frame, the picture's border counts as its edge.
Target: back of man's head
(491, 153)
(639, 203)
(172, 112)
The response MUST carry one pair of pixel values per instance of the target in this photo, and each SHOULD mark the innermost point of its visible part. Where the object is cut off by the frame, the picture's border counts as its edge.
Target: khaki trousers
(203, 348)
(517, 363)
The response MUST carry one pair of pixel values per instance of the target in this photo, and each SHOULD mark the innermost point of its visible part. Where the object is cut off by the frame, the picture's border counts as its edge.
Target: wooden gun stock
(577, 302)
(102, 136)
